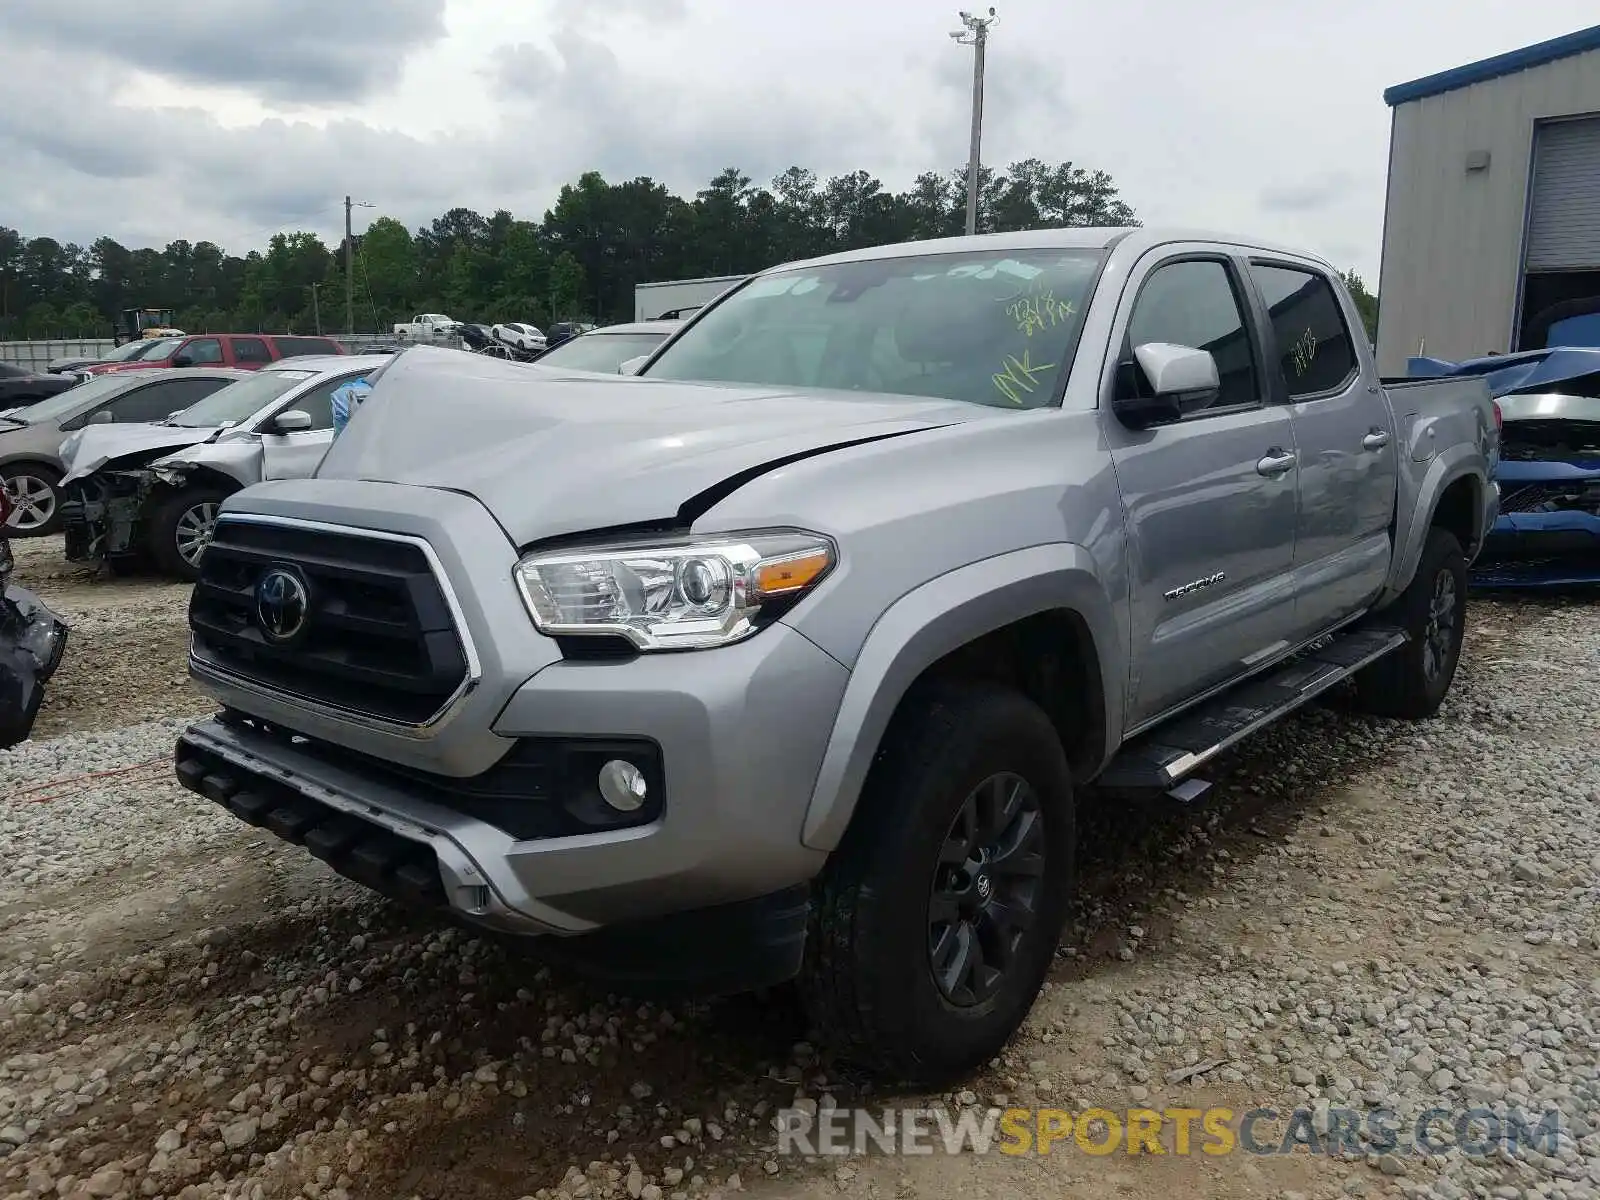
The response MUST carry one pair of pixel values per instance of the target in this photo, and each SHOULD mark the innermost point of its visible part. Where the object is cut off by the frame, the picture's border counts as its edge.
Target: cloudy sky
(231, 119)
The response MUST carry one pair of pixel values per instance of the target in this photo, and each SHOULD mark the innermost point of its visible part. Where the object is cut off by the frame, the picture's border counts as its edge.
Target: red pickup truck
(246, 351)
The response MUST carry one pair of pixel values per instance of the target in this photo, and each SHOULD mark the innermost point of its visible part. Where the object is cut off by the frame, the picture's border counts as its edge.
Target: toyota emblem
(282, 605)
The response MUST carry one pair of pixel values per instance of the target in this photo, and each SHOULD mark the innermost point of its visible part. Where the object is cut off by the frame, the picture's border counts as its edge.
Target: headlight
(684, 595)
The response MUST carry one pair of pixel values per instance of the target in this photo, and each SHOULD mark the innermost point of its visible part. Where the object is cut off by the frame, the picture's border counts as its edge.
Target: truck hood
(95, 446)
(549, 455)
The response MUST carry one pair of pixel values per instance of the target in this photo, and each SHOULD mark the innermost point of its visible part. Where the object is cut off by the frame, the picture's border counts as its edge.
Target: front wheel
(35, 500)
(180, 530)
(1410, 683)
(937, 918)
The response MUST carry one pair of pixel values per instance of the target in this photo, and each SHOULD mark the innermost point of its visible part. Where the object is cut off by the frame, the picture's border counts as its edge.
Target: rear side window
(1313, 345)
(251, 350)
(160, 400)
(293, 347)
(1192, 303)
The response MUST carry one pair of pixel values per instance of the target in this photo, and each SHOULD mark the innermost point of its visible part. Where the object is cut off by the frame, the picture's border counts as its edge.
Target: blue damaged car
(1548, 532)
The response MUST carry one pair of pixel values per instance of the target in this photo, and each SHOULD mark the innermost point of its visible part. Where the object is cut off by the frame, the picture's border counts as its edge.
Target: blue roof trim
(1493, 68)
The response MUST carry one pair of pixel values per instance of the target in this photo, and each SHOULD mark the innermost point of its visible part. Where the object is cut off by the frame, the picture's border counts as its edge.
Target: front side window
(318, 402)
(1192, 303)
(993, 327)
(242, 400)
(1313, 346)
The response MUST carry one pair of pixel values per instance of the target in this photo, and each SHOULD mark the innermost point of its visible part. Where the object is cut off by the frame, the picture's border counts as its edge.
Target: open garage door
(1561, 280)
(1564, 228)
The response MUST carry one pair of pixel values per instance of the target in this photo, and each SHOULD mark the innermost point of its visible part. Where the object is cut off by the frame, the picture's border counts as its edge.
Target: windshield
(240, 401)
(988, 327)
(79, 396)
(129, 352)
(159, 349)
(601, 351)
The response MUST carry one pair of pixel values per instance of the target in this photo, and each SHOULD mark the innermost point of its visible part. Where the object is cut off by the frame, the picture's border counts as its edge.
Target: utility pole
(349, 273)
(976, 35)
(350, 266)
(316, 310)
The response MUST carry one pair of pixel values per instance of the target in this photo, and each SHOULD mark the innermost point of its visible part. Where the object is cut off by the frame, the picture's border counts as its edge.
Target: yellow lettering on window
(1303, 351)
(1019, 376)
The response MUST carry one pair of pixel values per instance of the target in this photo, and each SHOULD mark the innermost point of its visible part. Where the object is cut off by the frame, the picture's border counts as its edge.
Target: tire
(877, 927)
(174, 526)
(1411, 683)
(35, 493)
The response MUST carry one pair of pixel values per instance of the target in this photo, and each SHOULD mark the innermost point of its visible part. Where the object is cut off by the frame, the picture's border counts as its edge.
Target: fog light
(622, 785)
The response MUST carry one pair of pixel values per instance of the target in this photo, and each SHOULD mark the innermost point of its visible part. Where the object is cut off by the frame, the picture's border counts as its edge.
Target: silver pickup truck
(793, 656)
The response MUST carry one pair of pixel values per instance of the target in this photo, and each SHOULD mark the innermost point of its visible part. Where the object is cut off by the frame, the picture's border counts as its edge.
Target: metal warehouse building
(1491, 235)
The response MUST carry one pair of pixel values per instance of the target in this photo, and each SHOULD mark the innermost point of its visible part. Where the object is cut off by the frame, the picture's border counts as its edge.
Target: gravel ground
(1360, 914)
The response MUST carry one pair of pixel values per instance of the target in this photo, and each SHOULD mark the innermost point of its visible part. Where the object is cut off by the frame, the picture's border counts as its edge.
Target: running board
(1158, 760)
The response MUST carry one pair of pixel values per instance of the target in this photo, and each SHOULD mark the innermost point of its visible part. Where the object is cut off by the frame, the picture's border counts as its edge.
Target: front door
(297, 455)
(1208, 502)
(1348, 468)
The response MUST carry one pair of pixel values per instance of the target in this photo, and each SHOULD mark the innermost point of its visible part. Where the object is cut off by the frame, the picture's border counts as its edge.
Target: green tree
(1366, 302)
(566, 288)
(583, 258)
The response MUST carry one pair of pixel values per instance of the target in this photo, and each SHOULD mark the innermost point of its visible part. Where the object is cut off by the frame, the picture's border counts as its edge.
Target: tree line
(580, 262)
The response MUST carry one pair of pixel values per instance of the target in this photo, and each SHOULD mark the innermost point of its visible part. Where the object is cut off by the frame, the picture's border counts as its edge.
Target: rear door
(1208, 502)
(1348, 472)
(297, 455)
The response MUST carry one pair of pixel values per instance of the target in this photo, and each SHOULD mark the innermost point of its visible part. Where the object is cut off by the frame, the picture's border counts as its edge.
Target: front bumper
(741, 732)
(1547, 534)
(102, 515)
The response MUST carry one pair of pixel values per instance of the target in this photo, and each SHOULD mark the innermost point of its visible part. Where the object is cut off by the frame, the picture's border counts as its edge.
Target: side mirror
(183, 360)
(631, 367)
(293, 420)
(104, 417)
(1180, 380)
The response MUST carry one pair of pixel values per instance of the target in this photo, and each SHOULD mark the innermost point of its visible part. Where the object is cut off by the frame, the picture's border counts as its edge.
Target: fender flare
(1459, 462)
(928, 623)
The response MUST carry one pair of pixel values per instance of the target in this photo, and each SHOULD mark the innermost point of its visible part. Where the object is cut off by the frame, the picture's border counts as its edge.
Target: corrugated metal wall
(1453, 239)
(33, 356)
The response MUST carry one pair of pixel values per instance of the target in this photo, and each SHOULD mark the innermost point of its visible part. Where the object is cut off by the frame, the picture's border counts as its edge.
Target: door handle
(1275, 463)
(1377, 439)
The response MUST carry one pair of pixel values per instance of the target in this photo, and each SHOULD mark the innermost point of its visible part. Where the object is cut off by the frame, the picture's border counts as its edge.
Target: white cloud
(223, 120)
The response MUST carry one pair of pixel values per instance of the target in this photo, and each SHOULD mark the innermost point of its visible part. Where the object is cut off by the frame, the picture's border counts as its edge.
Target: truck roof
(1077, 237)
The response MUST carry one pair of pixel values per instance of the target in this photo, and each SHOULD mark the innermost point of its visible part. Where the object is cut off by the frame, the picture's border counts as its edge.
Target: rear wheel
(180, 530)
(1411, 682)
(35, 499)
(937, 918)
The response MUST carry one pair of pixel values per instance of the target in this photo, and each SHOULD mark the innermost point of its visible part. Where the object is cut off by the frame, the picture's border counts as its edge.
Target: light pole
(976, 35)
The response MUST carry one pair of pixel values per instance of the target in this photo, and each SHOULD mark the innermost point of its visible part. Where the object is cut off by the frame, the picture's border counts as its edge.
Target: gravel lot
(1360, 914)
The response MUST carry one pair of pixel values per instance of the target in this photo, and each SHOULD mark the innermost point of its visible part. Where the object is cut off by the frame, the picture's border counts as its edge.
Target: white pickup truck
(428, 327)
